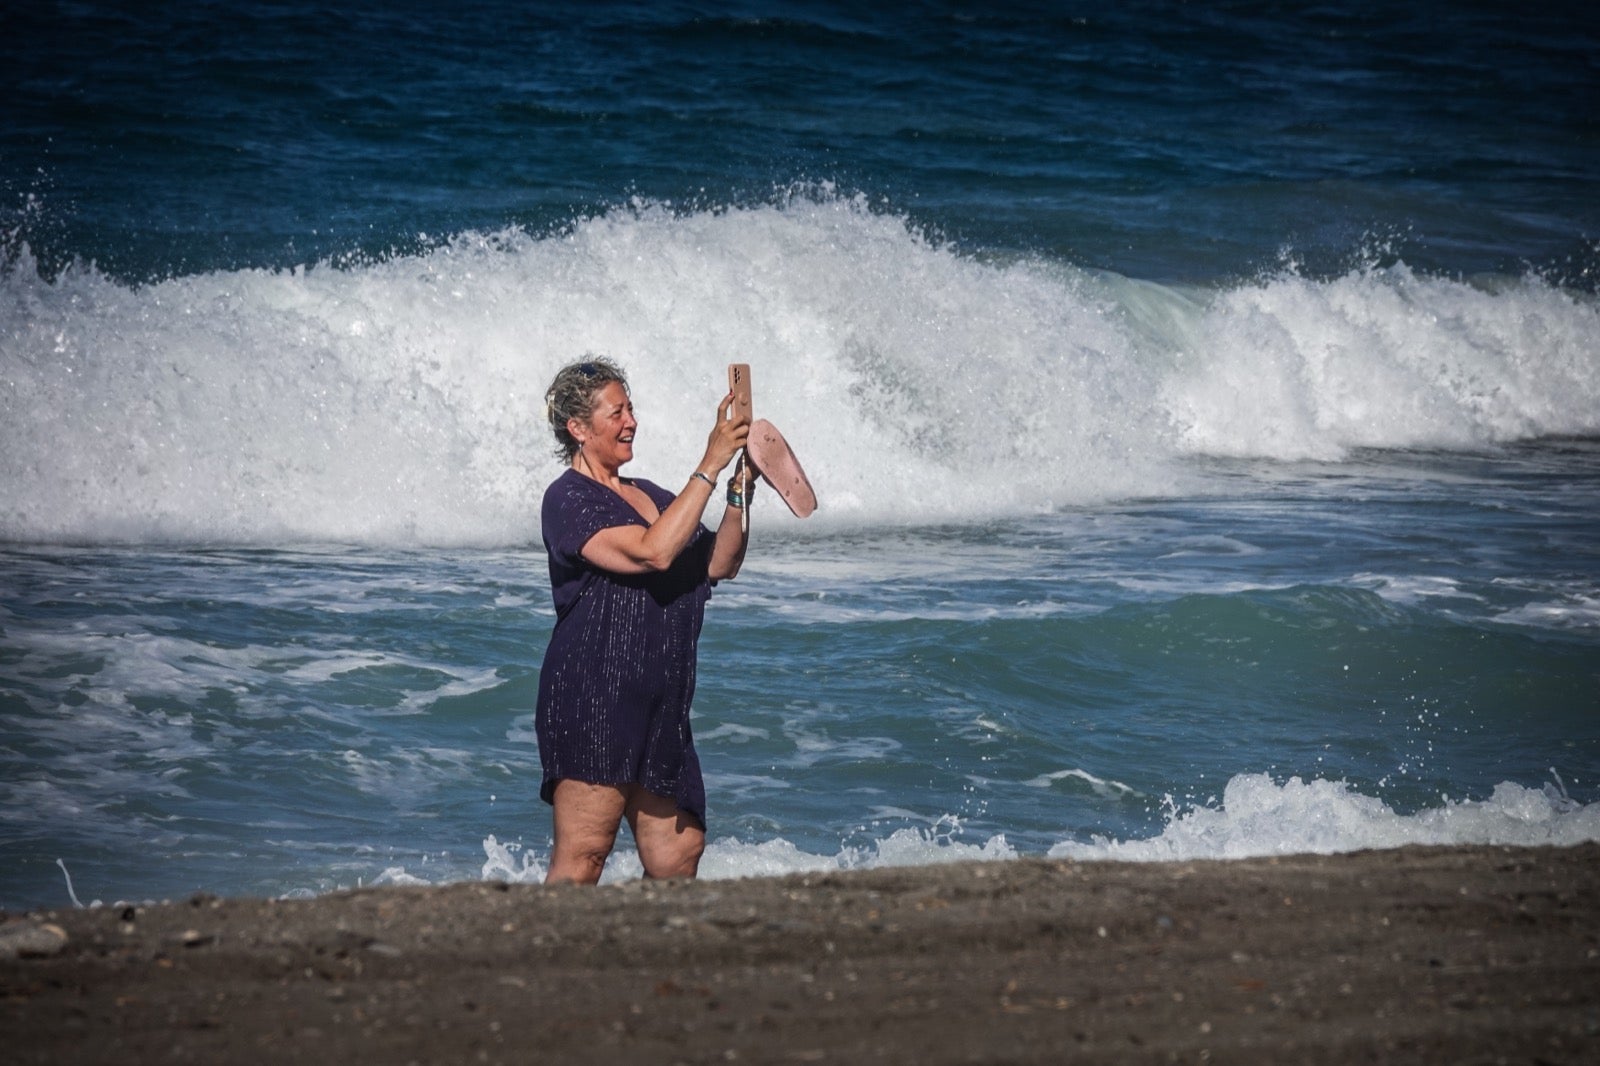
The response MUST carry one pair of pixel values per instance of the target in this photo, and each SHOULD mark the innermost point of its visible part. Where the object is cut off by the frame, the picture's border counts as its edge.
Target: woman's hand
(727, 437)
(632, 549)
(744, 477)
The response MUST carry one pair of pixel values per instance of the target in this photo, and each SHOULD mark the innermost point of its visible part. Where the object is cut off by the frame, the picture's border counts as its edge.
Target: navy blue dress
(618, 677)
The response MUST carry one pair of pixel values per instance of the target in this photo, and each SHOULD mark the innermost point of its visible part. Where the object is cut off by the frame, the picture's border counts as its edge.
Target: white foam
(938, 842)
(730, 857)
(733, 733)
(1293, 368)
(1210, 546)
(1573, 612)
(509, 862)
(1258, 816)
(812, 748)
(396, 875)
(726, 859)
(400, 402)
(1571, 605)
(1414, 588)
(1098, 785)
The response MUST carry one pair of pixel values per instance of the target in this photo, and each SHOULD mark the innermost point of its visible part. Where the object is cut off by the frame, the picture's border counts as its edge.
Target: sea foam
(1259, 816)
(399, 402)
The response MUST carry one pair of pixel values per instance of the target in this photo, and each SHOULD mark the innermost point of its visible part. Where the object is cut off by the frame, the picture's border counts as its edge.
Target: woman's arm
(733, 534)
(638, 550)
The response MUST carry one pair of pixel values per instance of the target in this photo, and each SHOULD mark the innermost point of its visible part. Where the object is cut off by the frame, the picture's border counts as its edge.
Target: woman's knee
(670, 840)
(678, 856)
(586, 818)
(578, 861)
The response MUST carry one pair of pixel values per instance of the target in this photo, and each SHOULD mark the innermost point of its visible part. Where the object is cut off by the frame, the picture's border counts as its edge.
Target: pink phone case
(739, 385)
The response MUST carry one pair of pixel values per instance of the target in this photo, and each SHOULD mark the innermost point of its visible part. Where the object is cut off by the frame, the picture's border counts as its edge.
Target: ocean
(1203, 403)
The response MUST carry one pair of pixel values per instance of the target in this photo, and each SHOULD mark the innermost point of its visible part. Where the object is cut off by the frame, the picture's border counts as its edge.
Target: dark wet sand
(1480, 954)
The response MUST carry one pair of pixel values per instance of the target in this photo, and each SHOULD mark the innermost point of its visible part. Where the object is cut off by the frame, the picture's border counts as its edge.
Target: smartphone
(739, 385)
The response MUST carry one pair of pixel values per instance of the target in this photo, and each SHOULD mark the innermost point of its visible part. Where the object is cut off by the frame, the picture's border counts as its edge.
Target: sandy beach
(1479, 954)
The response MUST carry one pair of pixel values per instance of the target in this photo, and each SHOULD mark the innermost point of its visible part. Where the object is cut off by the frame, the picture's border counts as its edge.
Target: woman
(631, 568)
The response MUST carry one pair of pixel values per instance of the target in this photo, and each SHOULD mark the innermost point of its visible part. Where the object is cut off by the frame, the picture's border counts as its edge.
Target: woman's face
(608, 437)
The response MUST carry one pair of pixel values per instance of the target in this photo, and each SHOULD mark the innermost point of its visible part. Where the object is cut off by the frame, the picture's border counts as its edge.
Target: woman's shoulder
(572, 490)
(562, 486)
(564, 481)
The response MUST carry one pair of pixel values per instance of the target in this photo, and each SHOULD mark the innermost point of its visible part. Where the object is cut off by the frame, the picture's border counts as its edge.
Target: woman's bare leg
(670, 841)
(585, 818)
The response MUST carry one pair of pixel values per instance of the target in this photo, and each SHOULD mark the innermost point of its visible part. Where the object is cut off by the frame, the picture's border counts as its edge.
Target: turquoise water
(1203, 406)
(273, 721)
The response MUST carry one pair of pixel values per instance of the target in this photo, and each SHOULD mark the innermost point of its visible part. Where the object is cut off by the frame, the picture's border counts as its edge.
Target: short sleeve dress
(618, 677)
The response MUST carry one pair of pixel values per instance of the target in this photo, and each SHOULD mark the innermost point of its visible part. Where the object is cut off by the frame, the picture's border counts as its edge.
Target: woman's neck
(610, 478)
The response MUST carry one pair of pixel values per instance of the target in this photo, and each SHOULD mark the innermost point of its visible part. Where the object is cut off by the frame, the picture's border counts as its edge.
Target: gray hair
(572, 395)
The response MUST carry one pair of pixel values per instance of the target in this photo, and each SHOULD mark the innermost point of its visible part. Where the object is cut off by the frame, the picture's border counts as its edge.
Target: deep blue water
(1202, 401)
(1160, 140)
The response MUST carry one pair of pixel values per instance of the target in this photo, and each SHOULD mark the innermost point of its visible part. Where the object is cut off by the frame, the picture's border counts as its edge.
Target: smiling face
(607, 437)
